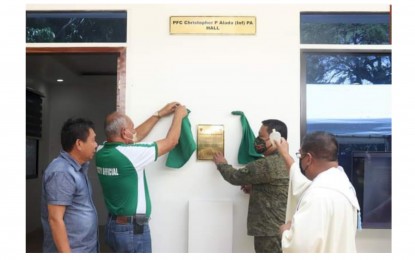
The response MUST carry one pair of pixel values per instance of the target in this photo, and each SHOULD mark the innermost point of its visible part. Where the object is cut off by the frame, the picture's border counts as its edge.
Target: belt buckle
(122, 219)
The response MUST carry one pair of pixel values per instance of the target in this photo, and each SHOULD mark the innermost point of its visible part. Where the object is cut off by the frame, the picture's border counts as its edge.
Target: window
(348, 93)
(371, 175)
(345, 28)
(33, 131)
(33, 114)
(32, 146)
(102, 26)
(349, 68)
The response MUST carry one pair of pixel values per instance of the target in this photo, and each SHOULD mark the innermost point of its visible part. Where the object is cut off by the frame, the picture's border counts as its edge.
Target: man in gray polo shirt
(68, 214)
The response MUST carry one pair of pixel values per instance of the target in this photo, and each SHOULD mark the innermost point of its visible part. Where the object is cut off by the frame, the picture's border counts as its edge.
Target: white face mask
(134, 139)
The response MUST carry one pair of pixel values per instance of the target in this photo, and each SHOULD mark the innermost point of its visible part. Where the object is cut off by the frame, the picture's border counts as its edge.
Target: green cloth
(247, 151)
(184, 149)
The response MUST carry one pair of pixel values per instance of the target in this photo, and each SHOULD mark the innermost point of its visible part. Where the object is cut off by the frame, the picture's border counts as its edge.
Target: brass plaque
(231, 25)
(210, 139)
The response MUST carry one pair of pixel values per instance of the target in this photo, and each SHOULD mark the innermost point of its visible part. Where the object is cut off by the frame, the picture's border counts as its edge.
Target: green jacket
(268, 199)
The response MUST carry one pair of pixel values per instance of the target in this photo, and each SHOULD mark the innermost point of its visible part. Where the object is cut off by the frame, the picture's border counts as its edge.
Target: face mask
(301, 168)
(134, 139)
(260, 145)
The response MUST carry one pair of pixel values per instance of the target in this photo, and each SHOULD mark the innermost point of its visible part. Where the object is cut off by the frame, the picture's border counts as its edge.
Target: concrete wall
(212, 76)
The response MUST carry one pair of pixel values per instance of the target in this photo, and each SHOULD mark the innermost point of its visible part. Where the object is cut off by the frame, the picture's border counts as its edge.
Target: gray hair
(114, 123)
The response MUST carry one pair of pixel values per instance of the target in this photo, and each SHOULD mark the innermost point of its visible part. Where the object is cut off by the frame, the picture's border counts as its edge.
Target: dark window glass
(33, 114)
(371, 175)
(31, 157)
(340, 68)
(345, 96)
(105, 26)
(33, 131)
(345, 28)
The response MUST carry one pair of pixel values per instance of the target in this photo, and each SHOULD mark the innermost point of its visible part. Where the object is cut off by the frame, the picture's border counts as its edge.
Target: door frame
(121, 64)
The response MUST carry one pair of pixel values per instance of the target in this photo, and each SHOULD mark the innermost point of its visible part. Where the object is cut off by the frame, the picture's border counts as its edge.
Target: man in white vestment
(322, 207)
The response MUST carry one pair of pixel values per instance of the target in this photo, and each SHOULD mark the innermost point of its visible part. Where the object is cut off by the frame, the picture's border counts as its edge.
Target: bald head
(322, 145)
(114, 123)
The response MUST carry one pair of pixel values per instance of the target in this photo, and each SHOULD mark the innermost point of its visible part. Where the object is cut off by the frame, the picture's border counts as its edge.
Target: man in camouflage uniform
(266, 179)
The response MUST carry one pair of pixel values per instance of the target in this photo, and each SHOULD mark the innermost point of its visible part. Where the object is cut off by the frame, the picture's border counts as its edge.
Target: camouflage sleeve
(253, 173)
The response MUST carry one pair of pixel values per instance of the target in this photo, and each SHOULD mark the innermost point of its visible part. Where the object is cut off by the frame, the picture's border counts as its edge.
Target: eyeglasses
(299, 155)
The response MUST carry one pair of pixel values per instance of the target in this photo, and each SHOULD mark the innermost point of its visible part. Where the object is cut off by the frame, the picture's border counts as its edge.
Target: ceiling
(74, 69)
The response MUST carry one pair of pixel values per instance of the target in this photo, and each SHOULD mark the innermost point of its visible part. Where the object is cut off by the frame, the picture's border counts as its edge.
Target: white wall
(212, 76)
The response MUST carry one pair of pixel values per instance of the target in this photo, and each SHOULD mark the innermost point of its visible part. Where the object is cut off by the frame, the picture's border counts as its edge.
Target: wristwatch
(157, 114)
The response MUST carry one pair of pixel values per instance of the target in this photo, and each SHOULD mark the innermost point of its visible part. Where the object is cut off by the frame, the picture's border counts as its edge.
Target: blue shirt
(65, 182)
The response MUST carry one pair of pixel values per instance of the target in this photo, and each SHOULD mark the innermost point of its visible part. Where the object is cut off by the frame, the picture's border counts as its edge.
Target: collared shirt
(121, 172)
(66, 183)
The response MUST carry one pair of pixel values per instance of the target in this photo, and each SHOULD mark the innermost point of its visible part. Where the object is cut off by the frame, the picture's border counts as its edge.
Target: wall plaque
(226, 25)
(210, 139)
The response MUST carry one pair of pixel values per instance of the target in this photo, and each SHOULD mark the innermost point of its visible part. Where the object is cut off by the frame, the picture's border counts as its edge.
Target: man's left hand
(285, 226)
(246, 188)
(168, 109)
(218, 158)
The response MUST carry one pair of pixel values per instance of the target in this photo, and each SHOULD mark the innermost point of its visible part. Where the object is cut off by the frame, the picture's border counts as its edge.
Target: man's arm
(253, 173)
(58, 228)
(298, 182)
(172, 138)
(144, 129)
(283, 149)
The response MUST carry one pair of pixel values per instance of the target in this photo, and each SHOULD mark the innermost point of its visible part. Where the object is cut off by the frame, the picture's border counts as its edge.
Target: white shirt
(324, 218)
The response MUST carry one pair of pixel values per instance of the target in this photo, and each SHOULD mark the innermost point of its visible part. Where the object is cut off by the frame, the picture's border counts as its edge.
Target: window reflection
(345, 28)
(359, 115)
(82, 26)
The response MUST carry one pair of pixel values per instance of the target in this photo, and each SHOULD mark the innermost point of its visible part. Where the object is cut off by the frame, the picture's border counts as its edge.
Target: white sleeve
(308, 227)
(297, 185)
(139, 155)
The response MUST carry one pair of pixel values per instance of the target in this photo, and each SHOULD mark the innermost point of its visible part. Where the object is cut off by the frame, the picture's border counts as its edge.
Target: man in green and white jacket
(120, 166)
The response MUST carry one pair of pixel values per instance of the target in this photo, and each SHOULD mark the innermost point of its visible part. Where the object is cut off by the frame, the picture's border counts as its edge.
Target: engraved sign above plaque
(223, 25)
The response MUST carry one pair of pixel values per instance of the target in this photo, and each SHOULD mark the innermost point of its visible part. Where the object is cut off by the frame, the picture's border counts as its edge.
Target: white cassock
(323, 213)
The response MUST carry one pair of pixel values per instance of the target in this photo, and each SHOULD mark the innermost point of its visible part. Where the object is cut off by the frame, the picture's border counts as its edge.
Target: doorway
(72, 82)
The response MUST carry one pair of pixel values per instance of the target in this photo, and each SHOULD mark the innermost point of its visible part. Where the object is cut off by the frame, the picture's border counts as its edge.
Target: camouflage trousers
(268, 244)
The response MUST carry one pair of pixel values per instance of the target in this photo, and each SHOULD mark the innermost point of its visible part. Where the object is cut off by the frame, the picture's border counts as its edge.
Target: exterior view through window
(348, 93)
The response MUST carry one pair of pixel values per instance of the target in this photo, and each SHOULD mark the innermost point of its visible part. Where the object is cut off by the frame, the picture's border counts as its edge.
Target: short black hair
(74, 129)
(278, 125)
(322, 145)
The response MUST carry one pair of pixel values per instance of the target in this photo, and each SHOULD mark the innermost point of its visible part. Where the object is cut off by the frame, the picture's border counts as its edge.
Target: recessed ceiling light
(59, 80)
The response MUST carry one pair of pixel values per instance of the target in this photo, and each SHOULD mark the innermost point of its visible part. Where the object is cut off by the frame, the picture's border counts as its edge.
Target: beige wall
(212, 76)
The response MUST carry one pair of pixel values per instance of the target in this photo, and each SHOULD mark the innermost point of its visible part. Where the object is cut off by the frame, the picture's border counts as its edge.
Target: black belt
(139, 218)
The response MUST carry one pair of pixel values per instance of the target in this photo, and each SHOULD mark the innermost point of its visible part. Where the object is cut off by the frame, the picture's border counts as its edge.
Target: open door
(93, 85)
